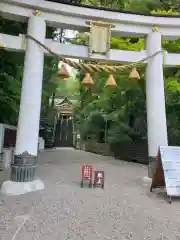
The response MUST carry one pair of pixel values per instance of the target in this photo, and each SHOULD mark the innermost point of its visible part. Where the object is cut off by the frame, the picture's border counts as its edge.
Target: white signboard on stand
(170, 158)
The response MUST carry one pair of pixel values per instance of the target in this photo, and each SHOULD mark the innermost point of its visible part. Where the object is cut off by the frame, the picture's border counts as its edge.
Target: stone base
(23, 173)
(23, 169)
(147, 180)
(18, 188)
(151, 170)
(151, 167)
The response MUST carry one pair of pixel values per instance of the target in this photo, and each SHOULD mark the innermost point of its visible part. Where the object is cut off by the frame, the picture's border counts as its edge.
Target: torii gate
(40, 13)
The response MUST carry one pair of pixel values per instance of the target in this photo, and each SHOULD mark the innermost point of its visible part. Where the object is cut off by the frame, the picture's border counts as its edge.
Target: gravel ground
(125, 209)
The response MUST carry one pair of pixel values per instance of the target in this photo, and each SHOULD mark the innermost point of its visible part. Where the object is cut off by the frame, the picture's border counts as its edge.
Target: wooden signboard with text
(98, 179)
(167, 172)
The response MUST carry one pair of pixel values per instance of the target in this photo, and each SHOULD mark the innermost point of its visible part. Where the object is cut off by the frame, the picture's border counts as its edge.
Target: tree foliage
(11, 74)
(123, 109)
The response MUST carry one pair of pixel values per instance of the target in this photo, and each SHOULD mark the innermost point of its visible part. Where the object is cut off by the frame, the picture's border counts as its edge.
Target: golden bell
(87, 81)
(111, 83)
(63, 72)
(134, 74)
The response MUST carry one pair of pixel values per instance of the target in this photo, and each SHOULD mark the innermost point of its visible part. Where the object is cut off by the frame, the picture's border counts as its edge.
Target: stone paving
(125, 209)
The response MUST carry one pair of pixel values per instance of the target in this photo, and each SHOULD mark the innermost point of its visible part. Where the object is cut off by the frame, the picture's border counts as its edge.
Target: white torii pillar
(24, 166)
(155, 99)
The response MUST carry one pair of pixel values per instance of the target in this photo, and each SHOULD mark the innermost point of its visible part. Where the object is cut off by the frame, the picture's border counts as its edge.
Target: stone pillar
(24, 166)
(155, 100)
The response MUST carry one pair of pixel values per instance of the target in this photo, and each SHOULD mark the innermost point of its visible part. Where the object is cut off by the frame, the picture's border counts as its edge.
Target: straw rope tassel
(111, 83)
(63, 72)
(134, 74)
(87, 81)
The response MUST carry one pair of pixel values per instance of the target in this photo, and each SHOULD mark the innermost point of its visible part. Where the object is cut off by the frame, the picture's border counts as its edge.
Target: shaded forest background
(104, 115)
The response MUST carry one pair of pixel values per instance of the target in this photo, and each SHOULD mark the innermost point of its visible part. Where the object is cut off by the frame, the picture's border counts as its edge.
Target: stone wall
(134, 152)
(98, 148)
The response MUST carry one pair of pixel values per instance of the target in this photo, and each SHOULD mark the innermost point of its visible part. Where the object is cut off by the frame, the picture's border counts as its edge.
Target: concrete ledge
(147, 180)
(18, 188)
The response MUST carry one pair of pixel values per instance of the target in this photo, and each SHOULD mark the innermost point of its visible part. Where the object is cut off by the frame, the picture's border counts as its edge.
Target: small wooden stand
(158, 180)
(158, 177)
(98, 179)
(167, 172)
(86, 174)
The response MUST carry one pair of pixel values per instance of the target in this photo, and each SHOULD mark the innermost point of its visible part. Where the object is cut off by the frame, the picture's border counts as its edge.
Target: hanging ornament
(63, 72)
(1, 45)
(111, 83)
(87, 81)
(134, 74)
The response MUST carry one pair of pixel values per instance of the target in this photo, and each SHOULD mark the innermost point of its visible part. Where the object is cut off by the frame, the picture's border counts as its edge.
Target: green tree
(125, 107)
(11, 73)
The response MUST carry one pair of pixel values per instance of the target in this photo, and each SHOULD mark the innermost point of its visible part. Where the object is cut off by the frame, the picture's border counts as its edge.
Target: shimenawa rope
(93, 67)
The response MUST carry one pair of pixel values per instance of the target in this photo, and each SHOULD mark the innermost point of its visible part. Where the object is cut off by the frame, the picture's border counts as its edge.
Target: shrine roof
(65, 100)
